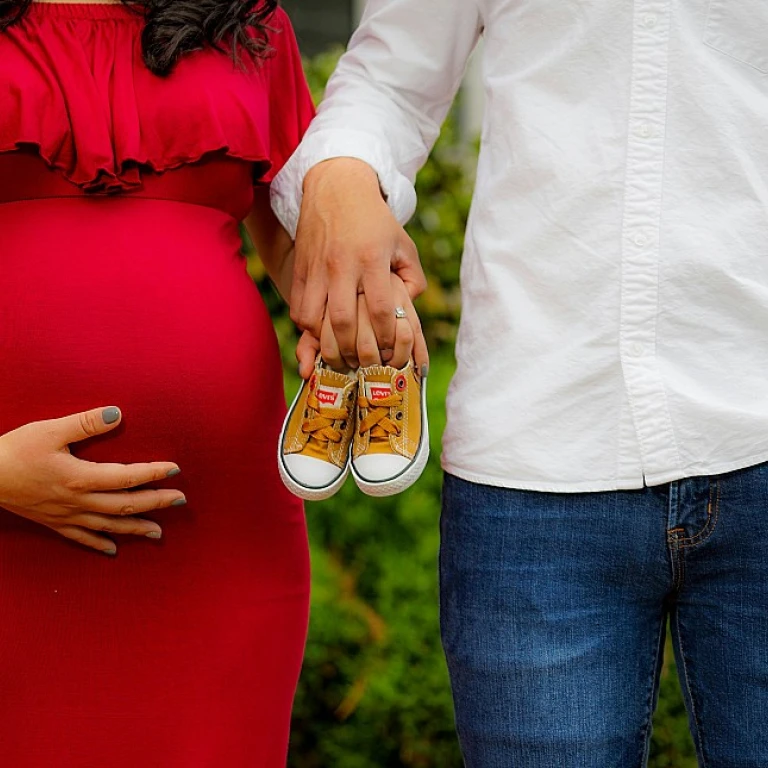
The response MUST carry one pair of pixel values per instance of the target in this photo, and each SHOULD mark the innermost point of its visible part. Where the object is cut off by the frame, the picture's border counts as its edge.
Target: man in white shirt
(608, 421)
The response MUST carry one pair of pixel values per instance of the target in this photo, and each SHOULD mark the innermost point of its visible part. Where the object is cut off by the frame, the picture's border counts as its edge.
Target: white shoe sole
(306, 492)
(407, 477)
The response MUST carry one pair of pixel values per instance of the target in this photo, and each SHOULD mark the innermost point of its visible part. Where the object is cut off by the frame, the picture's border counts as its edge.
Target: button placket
(640, 249)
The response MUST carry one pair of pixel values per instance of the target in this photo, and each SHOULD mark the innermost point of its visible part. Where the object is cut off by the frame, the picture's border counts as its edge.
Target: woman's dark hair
(176, 27)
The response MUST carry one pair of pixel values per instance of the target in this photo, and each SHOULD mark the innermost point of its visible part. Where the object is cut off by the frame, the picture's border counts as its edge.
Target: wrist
(349, 172)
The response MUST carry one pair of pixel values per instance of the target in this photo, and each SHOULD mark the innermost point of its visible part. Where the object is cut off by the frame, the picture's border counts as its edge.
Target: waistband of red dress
(220, 182)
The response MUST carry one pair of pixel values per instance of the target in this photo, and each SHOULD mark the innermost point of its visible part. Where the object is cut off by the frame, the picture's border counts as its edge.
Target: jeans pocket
(739, 29)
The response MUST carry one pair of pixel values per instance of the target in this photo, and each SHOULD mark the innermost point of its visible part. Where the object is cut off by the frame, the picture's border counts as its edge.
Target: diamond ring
(400, 313)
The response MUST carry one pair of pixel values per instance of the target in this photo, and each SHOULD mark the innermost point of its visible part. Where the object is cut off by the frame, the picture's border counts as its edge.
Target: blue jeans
(554, 608)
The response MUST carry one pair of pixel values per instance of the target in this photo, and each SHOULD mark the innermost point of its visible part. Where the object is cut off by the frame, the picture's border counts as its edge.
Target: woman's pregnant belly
(147, 305)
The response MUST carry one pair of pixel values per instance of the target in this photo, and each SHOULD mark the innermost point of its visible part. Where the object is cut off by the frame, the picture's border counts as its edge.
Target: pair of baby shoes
(372, 422)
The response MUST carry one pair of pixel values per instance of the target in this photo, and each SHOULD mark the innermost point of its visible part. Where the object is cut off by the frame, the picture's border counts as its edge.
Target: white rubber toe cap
(311, 472)
(379, 467)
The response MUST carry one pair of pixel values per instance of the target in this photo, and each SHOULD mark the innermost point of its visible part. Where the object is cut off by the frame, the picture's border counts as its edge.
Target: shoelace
(320, 426)
(378, 421)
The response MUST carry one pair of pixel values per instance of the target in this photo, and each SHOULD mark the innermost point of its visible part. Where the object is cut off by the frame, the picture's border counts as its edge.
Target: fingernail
(110, 415)
(110, 552)
(173, 472)
(154, 535)
(387, 354)
(424, 370)
(179, 503)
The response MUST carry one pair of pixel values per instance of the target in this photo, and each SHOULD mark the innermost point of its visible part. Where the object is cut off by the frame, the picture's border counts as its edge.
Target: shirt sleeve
(290, 104)
(387, 99)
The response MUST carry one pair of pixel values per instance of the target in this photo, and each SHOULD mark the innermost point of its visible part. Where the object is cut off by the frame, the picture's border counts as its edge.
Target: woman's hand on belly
(42, 481)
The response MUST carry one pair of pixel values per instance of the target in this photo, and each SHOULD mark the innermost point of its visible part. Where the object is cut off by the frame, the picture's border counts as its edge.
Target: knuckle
(371, 254)
(127, 509)
(297, 316)
(77, 484)
(367, 350)
(337, 259)
(341, 319)
(88, 423)
(131, 480)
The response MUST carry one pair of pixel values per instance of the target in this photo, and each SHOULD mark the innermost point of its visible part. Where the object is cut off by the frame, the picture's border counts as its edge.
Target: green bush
(374, 692)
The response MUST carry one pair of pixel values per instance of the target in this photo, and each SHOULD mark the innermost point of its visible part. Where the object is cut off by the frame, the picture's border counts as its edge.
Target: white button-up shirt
(615, 275)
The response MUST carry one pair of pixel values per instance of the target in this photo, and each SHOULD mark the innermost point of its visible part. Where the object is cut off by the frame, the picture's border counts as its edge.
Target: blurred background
(374, 691)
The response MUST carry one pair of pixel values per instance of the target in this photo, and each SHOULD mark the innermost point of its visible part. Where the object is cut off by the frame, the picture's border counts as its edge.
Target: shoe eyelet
(400, 383)
(343, 425)
(399, 415)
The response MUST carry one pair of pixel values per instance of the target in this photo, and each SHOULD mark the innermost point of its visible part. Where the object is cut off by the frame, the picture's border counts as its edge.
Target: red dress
(122, 285)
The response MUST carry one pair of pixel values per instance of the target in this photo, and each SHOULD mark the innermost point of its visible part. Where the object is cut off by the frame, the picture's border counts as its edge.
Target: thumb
(306, 353)
(81, 426)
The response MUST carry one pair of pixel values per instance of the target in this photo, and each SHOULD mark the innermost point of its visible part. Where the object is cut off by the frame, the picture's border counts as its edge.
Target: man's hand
(347, 243)
(409, 339)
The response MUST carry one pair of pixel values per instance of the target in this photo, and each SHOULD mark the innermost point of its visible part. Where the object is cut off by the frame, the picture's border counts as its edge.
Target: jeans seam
(646, 744)
(713, 515)
(689, 689)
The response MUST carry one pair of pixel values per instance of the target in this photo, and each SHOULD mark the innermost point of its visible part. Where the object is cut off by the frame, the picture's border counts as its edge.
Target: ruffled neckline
(79, 94)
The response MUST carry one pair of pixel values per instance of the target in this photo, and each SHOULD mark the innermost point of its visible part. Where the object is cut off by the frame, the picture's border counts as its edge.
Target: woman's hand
(42, 481)
(409, 338)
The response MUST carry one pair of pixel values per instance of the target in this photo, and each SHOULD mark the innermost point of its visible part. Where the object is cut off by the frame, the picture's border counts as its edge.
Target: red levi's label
(378, 391)
(330, 397)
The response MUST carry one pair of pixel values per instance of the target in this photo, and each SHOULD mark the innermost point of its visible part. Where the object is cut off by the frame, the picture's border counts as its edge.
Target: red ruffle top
(74, 88)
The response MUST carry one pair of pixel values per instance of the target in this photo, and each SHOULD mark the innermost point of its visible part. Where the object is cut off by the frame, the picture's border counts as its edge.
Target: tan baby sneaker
(391, 443)
(314, 450)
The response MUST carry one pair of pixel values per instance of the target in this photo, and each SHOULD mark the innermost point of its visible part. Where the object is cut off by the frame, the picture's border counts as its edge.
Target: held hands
(42, 481)
(409, 339)
(348, 245)
(354, 264)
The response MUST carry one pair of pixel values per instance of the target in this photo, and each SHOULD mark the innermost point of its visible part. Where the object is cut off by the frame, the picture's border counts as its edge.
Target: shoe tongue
(329, 388)
(378, 382)
(378, 390)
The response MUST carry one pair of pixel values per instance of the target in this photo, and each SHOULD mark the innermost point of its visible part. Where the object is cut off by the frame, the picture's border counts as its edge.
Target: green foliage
(374, 692)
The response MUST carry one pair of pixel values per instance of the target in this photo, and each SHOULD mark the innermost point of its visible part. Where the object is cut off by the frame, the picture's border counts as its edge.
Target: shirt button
(649, 20)
(643, 131)
(641, 240)
(636, 349)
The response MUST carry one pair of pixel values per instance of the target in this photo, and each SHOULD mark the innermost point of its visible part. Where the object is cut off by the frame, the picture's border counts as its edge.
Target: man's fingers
(342, 313)
(81, 426)
(367, 345)
(93, 476)
(88, 539)
(329, 349)
(380, 303)
(306, 354)
(131, 502)
(410, 336)
(407, 266)
(309, 296)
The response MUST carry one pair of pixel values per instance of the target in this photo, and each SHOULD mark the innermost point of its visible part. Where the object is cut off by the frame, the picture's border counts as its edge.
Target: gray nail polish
(179, 503)
(109, 552)
(154, 535)
(110, 415)
(424, 370)
(172, 472)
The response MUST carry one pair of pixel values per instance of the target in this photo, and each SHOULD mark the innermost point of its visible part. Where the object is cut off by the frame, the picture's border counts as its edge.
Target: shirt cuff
(286, 192)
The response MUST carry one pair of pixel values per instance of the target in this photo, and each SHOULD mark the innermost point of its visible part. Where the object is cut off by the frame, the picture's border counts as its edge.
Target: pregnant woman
(139, 370)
